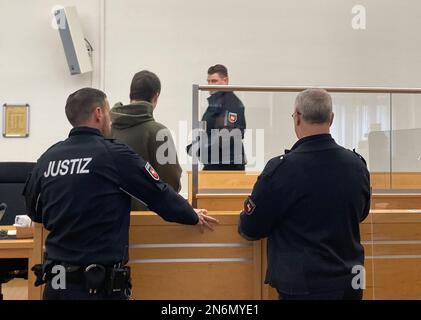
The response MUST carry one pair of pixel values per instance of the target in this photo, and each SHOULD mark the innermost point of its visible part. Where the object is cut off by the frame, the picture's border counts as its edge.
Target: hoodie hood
(131, 115)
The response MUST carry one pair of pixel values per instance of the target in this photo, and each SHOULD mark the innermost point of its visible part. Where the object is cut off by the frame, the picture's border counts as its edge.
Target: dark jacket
(135, 126)
(225, 111)
(80, 190)
(309, 203)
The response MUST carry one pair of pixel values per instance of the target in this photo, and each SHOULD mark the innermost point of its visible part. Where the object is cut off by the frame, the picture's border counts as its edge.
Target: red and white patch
(151, 171)
(232, 117)
(249, 206)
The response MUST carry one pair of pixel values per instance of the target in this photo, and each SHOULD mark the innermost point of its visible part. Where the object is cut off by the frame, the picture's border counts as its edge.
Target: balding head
(313, 113)
(315, 106)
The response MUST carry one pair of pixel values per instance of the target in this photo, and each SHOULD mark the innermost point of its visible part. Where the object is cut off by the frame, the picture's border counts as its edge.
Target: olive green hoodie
(135, 126)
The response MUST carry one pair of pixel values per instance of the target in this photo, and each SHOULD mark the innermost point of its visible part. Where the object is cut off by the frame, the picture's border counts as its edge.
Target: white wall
(267, 42)
(33, 70)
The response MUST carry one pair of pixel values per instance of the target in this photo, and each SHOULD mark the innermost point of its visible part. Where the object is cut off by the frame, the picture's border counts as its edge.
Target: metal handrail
(302, 88)
(197, 88)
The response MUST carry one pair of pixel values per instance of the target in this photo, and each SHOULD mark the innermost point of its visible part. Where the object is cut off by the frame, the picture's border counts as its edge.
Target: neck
(314, 130)
(91, 125)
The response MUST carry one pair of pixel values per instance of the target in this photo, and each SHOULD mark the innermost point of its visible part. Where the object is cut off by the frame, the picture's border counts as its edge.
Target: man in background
(135, 125)
(225, 125)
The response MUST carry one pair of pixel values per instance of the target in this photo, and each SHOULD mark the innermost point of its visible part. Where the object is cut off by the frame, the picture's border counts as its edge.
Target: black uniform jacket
(225, 116)
(81, 189)
(309, 203)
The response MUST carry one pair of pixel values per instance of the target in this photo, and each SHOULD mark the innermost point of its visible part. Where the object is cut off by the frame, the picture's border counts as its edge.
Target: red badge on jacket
(152, 171)
(232, 117)
(249, 206)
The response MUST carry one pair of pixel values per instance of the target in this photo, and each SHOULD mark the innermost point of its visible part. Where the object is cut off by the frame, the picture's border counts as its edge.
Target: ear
(154, 99)
(297, 120)
(331, 119)
(98, 114)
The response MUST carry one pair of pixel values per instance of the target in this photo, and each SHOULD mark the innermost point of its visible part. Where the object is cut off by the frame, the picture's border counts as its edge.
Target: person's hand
(205, 221)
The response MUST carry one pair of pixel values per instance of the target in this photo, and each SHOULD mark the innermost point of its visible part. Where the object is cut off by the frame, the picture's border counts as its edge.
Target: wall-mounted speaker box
(74, 43)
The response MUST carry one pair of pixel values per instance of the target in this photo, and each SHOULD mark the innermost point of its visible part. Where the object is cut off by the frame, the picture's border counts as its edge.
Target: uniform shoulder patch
(152, 172)
(232, 117)
(249, 206)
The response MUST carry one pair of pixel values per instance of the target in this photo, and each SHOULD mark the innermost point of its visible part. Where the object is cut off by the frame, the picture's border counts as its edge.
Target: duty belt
(96, 277)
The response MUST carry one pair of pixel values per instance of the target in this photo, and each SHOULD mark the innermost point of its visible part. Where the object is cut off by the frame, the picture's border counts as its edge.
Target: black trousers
(76, 291)
(345, 294)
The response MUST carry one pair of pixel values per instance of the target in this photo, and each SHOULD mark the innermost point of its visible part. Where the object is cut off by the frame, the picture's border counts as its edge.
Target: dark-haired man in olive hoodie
(135, 125)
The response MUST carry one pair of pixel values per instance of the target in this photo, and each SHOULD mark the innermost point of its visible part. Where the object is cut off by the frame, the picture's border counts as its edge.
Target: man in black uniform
(225, 125)
(80, 190)
(309, 203)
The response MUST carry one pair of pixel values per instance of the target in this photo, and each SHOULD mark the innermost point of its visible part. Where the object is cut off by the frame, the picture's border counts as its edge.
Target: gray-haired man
(309, 203)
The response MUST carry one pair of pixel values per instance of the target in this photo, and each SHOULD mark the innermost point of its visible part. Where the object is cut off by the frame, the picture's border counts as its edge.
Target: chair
(13, 176)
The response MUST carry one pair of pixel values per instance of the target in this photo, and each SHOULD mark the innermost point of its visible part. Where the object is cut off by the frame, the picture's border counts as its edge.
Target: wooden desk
(20, 249)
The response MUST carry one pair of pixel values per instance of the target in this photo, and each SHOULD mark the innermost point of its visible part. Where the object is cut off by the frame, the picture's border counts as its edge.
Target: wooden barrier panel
(222, 200)
(392, 244)
(396, 201)
(233, 180)
(227, 190)
(234, 200)
(236, 180)
(171, 261)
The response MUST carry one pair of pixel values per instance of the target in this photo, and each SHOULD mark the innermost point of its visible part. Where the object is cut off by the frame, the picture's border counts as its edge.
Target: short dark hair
(220, 69)
(81, 104)
(145, 85)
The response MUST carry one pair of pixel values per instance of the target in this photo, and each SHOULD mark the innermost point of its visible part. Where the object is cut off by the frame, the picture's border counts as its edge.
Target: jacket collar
(84, 130)
(123, 117)
(217, 95)
(144, 107)
(315, 142)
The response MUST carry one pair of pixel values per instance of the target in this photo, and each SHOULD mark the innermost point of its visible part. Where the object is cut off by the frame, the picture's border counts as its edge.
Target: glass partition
(405, 152)
(382, 124)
